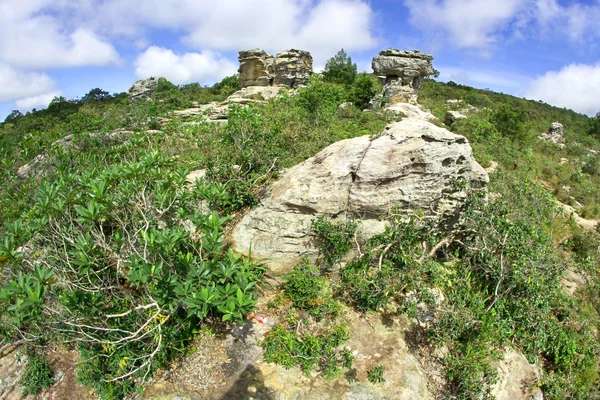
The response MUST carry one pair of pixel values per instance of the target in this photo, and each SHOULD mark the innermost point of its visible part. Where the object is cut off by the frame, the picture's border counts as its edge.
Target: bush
(37, 374)
(363, 89)
(320, 99)
(309, 291)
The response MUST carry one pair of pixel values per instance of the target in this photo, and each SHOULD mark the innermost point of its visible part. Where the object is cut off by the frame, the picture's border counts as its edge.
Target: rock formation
(143, 89)
(554, 134)
(256, 68)
(289, 68)
(414, 165)
(402, 73)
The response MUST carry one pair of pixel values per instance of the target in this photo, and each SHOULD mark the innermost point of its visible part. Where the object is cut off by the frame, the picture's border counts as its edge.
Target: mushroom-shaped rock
(414, 165)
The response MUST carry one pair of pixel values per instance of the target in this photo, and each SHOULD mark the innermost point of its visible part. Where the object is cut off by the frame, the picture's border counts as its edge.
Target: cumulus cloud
(35, 36)
(479, 25)
(39, 101)
(230, 25)
(470, 23)
(16, 84)
(204, 67)
(576, 21)
(575, 86)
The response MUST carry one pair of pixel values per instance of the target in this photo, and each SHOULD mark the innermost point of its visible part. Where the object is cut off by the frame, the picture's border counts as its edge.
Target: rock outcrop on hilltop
(402, 73)
(290, 68)
(414, 165)
(143, 89)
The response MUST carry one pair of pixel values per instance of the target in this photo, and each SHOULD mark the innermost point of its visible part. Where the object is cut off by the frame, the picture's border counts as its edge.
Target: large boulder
(143, 89)
(256, 68)
(293, 68)
(516, 378)
(413, 165)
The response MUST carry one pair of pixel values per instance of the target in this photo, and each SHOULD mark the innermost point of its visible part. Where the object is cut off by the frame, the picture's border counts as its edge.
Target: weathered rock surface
(516, 379)
(402, 73)
(413, 165)
(293, 68)
(555, 133)
(290, 68)
(256, 68)
(453, 116)
(411, 111)
(143, 89)
(245, 375)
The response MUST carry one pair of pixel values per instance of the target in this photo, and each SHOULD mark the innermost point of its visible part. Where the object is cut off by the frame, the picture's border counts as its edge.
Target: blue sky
(540, 49)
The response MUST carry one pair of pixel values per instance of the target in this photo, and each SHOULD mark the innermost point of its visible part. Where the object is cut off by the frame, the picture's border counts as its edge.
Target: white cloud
(321, 27)
(39, 101)
(576, 21)
(480, 25)
(204, 67)
(15, 84)
(470, 23)
(575, 86)
(35, 34)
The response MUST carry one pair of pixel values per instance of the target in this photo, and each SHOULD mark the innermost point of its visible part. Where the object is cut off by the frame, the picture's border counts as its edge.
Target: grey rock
(413, 165)
(516, 378)
(293, 68)
(143, 89)
(256, 68)
(453, 116)
(290, 68)
(555, 133)
(404, 73)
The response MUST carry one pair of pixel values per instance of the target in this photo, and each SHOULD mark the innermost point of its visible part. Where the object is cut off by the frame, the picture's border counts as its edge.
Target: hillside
(109, 248)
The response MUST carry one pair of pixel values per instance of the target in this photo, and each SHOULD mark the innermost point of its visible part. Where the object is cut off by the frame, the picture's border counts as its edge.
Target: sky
(538, 49)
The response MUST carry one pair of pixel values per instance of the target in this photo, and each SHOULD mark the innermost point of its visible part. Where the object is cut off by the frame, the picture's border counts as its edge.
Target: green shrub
(306, 351)
(320, 99)
(363, 89)
(310, 291)
(375, 375)
(334, 238)
(37, 374)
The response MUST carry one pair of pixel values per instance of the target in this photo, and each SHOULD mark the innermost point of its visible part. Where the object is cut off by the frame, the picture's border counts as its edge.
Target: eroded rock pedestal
(290, 68)
(413, 165)
(402, 73)
(143, 89)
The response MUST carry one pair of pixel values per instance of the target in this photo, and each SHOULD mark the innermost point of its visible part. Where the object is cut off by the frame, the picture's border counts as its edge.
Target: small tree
(14, 116)
(364, 88)
(594, 129)
(340, 69)
(96, 94)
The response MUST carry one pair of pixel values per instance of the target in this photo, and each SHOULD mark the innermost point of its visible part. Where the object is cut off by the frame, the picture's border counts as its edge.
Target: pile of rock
(290, 68)
(402, 74)
(555, 133)
(143, 89)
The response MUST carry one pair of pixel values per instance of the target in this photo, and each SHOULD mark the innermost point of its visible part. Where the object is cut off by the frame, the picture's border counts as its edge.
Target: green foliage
(323, 352)
(227, 86)
(375, 374)
(363, 89)
(340, 69)
(334, 238)
(37, 374)
(508, 121)
(310, 291)
(320, 99)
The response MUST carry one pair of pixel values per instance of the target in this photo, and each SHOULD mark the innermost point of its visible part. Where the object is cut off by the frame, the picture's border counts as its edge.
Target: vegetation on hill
(110, 251)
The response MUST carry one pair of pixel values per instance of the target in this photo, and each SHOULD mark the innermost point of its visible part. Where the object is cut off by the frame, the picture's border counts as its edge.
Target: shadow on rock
(249, 385)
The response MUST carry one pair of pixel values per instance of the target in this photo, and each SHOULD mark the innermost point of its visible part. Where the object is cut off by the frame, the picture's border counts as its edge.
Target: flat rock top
(406, 53)
(258, 53)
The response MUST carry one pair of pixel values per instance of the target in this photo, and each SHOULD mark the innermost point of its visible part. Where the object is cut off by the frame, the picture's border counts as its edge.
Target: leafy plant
(375, 374)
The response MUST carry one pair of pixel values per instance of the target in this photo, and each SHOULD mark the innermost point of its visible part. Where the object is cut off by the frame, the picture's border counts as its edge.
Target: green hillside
(97, 253)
